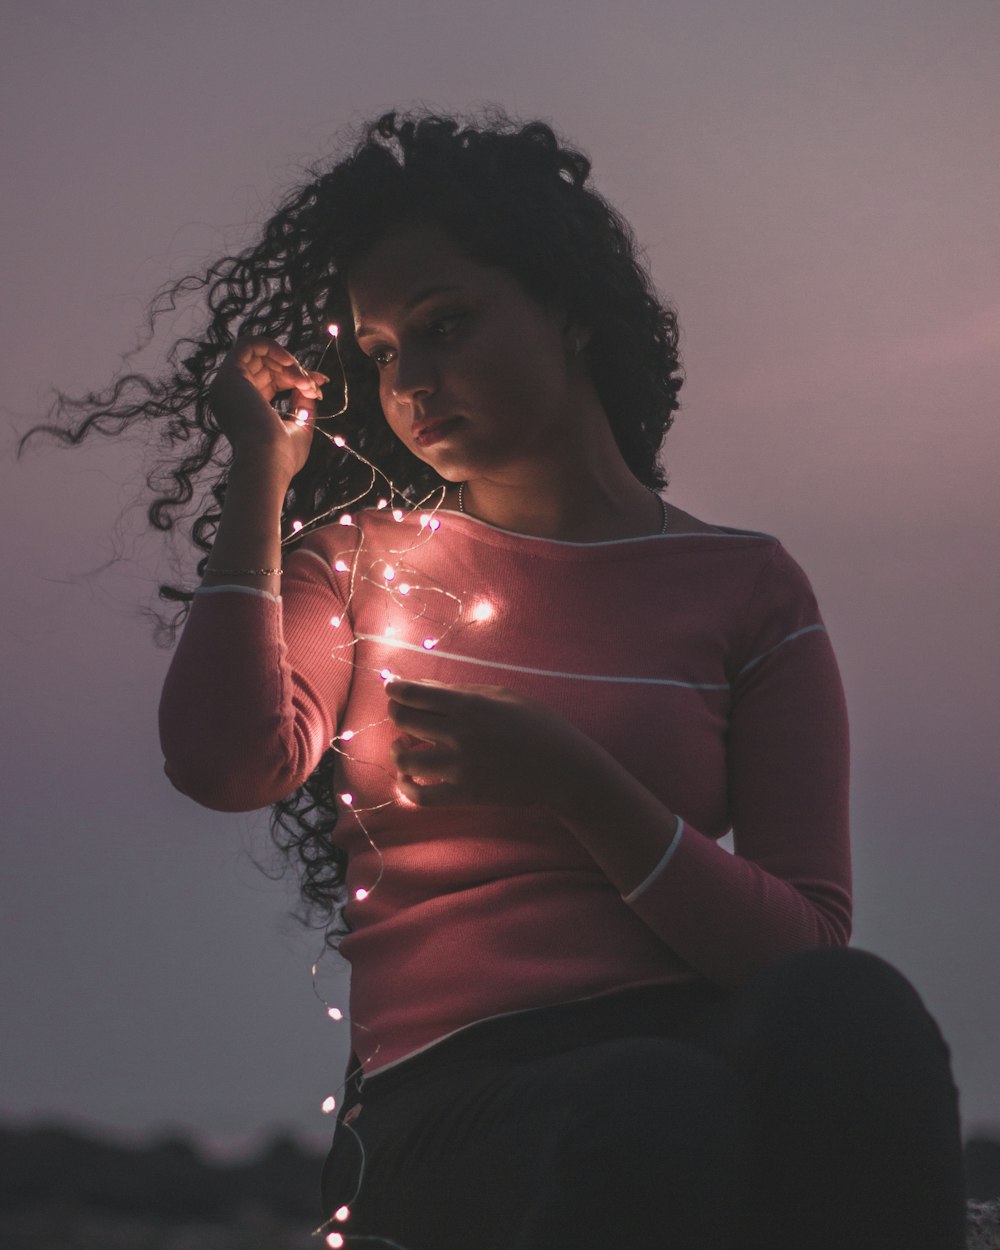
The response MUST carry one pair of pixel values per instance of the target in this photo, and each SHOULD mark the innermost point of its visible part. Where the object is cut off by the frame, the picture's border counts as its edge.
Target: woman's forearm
(249, 534)
(724, 914)
(625, 828)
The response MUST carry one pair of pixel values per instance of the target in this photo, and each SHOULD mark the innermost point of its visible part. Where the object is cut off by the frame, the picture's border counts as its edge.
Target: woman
(505, 699)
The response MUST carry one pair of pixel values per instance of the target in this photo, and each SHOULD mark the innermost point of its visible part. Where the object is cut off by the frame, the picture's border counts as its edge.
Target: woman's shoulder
(681, 522)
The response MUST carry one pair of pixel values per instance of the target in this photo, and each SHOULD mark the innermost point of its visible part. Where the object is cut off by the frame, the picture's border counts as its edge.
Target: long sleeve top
(699, 660)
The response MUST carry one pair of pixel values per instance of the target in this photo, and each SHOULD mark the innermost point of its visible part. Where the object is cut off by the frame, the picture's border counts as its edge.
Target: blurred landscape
(65, 1189)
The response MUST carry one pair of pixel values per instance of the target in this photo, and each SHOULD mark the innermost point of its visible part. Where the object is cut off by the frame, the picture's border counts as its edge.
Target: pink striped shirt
(699, 660)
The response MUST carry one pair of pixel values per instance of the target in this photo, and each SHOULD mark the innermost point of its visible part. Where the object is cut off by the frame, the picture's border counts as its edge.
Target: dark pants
(812, 1109)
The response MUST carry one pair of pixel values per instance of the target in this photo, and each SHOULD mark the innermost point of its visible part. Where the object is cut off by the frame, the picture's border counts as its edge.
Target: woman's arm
(787, 888)
(251, 699)
(268, 451)
(243, 723)
(788, 885)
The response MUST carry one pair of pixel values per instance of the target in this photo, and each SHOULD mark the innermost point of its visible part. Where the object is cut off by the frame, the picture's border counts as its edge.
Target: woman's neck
(570, 506)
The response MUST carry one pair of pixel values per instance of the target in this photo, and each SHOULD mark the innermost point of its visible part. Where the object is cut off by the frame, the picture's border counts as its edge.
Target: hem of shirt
(667, 857)
(502, 1015)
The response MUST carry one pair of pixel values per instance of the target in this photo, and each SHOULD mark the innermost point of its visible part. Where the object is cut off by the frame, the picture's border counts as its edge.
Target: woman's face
(474, 374)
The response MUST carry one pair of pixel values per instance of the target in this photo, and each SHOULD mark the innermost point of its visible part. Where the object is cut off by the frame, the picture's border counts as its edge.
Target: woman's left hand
(482, 745)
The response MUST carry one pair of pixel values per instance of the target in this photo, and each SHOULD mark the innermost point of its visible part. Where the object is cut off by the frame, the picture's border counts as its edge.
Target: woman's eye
(442, 326)
(438, 328)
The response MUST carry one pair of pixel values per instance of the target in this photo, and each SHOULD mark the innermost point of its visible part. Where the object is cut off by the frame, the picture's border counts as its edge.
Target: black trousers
(813, 1109)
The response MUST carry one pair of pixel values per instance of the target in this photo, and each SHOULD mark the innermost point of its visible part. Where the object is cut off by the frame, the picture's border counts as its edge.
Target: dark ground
(61, 1189)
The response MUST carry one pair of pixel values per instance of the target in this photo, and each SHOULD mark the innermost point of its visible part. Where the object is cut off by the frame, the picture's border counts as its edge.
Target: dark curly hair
(512, 196)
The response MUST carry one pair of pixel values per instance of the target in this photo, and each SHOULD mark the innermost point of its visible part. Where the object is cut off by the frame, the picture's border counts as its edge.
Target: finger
(273, 369)
(271, 350)
(433, 696)
(442, 794)
(294, 377)
(431, 726)
(263, 351)
(308, 390)
(425, 762)
(406, 742)
(279, 361)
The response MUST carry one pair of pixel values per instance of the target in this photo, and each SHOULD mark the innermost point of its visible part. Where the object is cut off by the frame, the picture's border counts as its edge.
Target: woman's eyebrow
(414, 301)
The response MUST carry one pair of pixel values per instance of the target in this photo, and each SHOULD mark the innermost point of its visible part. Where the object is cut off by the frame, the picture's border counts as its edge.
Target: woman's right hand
(253, 372)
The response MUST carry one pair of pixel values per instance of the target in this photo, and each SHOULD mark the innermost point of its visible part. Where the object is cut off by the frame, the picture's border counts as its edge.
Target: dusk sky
(817, 187)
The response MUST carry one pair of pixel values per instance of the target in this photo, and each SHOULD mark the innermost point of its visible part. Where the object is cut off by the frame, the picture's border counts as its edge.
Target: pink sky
(817, 189)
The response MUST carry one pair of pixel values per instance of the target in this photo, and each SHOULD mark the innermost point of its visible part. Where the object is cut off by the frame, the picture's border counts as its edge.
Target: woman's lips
(426, 435)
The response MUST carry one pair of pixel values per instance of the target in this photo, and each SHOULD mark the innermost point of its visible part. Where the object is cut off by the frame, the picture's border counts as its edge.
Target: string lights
(390, 573)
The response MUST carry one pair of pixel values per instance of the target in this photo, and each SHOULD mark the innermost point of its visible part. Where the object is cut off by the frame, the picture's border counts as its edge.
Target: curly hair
(511, 196)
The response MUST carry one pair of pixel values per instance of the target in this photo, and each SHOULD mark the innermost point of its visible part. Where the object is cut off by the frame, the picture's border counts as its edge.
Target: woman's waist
(681, 1010)
(422, 971)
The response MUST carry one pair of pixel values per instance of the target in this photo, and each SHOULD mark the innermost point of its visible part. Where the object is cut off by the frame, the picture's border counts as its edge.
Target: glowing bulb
(347, 798)
(382, 503)
(335, 1013)
(333, 329)
(483, 611)
(404, 588)
(334, 1241)
(388, 572)
(425, 519)
(347, 735)
(360, 895)
(385, 674)
(339, 440)
(342, 1213)
(434, 523)
(302, 416)
(329, 1104)
(389, 631)
(296, 526)
(335, 621)
(347, 519)
(397, 514)
(342, 566)
(430, 644)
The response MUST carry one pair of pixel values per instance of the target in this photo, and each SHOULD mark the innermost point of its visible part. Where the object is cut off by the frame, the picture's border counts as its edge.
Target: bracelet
(244, 572)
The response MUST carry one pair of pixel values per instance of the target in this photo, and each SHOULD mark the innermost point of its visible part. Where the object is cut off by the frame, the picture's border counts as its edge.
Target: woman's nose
(413, 376)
